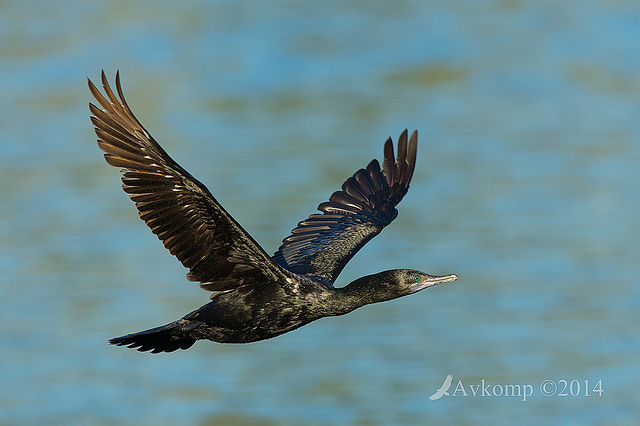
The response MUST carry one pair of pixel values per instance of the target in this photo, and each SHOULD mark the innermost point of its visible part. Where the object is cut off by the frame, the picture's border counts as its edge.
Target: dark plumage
(255, 296)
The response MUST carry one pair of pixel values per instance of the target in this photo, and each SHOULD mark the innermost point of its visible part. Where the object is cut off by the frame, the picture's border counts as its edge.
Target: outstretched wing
(322, 245)
(179, 209)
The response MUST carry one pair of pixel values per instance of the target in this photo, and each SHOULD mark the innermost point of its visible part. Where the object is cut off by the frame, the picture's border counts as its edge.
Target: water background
(527, 187)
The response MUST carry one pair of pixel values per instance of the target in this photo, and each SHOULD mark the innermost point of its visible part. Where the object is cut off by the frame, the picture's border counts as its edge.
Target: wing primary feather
(411, 157)
(400, 166)
(373, 173)
(388, 161)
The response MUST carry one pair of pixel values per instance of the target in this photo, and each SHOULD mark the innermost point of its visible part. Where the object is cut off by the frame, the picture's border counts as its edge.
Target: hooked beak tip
(446, 278)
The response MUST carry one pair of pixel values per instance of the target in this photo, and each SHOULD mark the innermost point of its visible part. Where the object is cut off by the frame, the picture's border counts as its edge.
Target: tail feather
(166, 338)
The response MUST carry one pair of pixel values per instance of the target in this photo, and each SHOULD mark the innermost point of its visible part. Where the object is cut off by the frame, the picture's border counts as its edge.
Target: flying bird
(255, 296)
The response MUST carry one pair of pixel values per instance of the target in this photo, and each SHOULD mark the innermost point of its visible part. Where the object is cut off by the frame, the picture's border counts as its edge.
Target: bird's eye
(416, 278)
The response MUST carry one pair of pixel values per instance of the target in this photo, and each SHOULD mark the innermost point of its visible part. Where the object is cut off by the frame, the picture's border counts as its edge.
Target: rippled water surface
(527, 187)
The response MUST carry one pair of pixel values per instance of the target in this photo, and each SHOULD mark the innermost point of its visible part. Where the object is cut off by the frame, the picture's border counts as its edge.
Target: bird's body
(244, 316)
(255, 296)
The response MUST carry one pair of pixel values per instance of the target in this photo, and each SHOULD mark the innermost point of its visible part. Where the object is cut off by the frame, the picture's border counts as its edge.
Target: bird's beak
(431, 281)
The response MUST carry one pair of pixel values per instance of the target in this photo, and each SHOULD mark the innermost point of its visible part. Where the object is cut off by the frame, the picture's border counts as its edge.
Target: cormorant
(255, 296)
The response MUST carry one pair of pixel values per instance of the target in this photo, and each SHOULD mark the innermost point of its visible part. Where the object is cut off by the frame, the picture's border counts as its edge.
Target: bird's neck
(356, 294)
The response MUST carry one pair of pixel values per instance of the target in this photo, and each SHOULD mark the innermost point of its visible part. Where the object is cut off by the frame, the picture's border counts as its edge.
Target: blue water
(527, 187)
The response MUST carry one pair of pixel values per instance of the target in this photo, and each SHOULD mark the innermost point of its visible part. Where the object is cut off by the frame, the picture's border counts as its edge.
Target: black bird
(255, 296)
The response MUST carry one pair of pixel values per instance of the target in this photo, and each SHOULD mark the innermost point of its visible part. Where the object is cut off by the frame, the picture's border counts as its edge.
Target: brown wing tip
(388, 161)
(400, 164)
(412, 155)
(400, 169)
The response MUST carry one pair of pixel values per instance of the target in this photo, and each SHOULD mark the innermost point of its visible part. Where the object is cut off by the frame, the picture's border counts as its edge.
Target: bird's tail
(166, 338)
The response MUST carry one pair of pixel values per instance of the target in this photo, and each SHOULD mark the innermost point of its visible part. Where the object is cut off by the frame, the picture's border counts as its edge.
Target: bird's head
(392, 284)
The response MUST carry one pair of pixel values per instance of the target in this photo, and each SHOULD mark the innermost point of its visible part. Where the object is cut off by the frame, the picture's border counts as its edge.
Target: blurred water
(526, 188)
